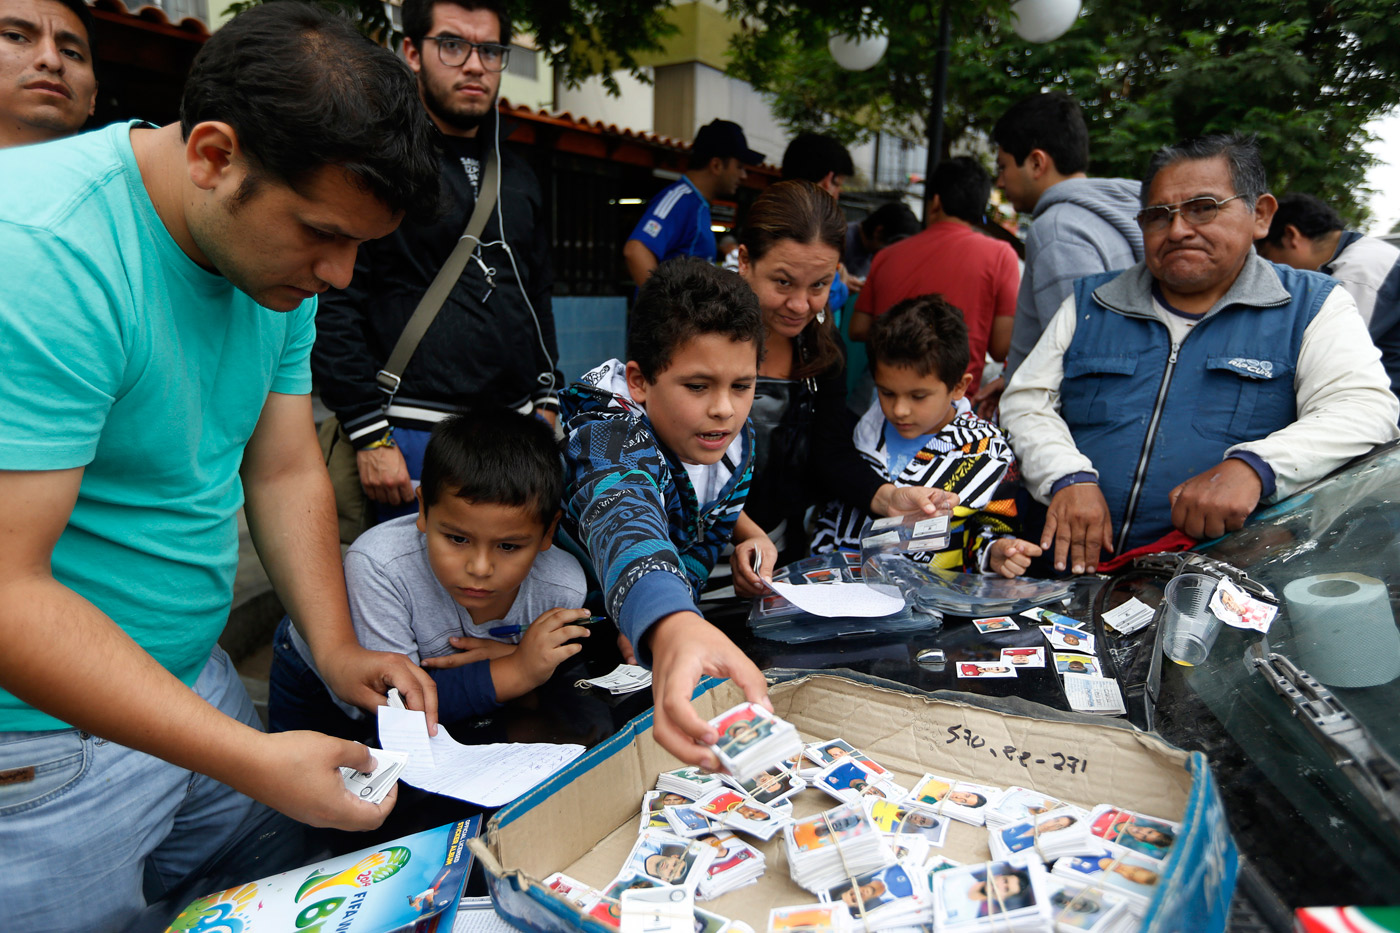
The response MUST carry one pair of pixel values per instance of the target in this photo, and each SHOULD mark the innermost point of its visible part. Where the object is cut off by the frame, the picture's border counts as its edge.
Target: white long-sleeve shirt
(1345, 406)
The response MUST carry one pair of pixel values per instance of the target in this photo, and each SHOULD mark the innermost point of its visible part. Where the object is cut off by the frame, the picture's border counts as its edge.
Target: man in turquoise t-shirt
(156, 318)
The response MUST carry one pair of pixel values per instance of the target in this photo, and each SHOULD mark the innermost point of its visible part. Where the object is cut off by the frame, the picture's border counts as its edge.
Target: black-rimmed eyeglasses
(1196, 212)
(454, 51)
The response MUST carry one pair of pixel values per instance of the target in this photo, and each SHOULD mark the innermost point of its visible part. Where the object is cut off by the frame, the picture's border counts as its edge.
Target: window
(524, 63)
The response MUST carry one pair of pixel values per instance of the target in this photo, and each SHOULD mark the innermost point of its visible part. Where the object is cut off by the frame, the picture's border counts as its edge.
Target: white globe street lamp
(1032, 20)
(1043, 20)
(855, 53)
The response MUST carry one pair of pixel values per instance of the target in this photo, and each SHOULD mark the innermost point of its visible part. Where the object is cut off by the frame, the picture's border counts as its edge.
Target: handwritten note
(1089, 694)
(490, 775)
(842, 600)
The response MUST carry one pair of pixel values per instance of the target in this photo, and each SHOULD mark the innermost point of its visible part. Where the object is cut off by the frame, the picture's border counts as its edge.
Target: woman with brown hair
(788, 253)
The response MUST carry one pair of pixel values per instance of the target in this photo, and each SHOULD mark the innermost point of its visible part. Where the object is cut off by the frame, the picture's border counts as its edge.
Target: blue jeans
(91, 829)
(298, 699)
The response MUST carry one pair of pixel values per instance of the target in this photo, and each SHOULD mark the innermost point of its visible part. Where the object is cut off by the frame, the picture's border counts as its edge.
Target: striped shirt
(969, 457)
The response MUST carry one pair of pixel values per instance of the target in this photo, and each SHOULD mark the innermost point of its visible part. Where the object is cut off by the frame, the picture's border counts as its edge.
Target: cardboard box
(584, 820)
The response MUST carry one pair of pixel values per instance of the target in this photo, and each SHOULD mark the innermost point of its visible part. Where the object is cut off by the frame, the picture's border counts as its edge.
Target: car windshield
(1330, 556)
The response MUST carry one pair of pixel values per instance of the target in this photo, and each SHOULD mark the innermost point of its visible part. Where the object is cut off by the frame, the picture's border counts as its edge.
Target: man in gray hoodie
(1079, 225)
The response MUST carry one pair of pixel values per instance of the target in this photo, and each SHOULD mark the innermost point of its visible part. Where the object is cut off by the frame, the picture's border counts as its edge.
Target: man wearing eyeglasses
(493, 342)
(1185, 390)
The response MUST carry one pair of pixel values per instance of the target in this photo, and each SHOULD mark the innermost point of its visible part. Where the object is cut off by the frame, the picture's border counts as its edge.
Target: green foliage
(1305, 76)
(582, 38)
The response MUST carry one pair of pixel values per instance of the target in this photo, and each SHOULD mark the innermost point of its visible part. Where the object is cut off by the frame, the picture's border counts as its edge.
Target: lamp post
(1032, 20)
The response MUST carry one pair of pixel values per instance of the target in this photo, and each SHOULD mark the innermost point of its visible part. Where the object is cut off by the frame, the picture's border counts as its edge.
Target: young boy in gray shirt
(470, 587)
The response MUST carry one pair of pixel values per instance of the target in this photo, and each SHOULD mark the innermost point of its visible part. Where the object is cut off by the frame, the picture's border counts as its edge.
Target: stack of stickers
(1054, 834)
(918, 536)
(1076, 906)
(823, 850)
(1017, 805)
(736, 810)
(375, 785)
(690, 782)
(1004, 894)
(872, 862)
(735, 865)
(1127, 852)
(851, 779)
(625, 678)
(964, 801)
(895, 895)
(752, 740)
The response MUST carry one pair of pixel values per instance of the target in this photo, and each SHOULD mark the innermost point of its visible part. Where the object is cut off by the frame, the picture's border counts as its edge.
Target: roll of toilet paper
(1344, 633)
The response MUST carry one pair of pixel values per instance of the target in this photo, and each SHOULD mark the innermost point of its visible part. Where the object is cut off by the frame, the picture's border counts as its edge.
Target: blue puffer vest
(1150, 415)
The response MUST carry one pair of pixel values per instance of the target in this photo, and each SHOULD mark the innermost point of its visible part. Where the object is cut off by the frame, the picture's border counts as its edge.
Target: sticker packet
(751, 740)
(907, 820)
(964, 801)
(887, 896)
(669, 859)
(1133, 832)
(850, 781)
(1001, 895)
(769, 786)
(738, 811)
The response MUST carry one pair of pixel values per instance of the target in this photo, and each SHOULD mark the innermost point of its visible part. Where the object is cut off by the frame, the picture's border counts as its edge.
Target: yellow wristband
(386, 441)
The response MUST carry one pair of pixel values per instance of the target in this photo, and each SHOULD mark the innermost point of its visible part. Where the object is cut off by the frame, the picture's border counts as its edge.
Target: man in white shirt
(1185, 390)
(1306, 233)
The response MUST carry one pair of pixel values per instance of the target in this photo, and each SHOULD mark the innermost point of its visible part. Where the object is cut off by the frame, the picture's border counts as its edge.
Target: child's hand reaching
(469, 651)
(540, 651)
(1011, 557)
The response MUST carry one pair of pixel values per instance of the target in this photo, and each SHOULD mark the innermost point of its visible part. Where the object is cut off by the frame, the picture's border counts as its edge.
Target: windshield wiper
(1350, 746)
(1172, 563)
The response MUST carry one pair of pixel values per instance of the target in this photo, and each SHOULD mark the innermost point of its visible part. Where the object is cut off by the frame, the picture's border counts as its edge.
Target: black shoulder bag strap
(431, 303)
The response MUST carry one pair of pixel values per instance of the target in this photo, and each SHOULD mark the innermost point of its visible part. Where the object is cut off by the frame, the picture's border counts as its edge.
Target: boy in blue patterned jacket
(921, 431)
(658, 456)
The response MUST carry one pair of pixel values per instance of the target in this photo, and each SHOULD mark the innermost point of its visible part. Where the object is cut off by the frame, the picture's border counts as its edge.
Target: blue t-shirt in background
(677, 223)
(124, 357)
(901, 450)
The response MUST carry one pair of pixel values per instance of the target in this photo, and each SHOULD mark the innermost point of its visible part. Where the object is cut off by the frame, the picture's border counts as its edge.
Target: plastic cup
(1189, 628)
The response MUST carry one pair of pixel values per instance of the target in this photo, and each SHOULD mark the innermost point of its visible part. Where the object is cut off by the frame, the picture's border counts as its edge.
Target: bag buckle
(388, 382)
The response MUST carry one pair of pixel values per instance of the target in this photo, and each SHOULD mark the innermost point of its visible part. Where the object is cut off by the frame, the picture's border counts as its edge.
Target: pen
(506, 631)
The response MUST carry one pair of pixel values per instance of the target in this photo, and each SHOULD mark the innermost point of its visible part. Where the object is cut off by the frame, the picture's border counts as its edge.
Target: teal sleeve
(65, 354)
(293, 376)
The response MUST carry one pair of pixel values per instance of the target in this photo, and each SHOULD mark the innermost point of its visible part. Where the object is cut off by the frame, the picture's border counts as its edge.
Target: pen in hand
(509, 631)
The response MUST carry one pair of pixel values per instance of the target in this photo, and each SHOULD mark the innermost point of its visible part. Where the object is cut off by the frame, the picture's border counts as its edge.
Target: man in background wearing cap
(677, 221)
